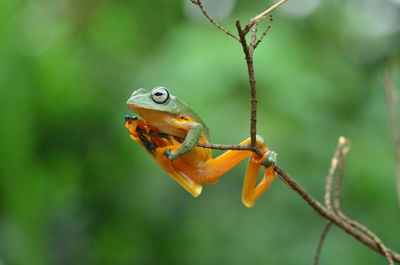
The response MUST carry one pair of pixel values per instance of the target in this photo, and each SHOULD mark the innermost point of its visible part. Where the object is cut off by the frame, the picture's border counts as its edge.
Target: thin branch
(339, 179)
(369, 239)
(337, 160)
(253, 39)
(248, 51)
(254, 34)
(343, 154)
(212, 20)
(340, 220)
(329, 215)
(265, 32)
(225, 147)
(369, 233)
(334, 163)
(318, 207)
(321, 242)
(204, 145)
(262, 15)
(253, 91)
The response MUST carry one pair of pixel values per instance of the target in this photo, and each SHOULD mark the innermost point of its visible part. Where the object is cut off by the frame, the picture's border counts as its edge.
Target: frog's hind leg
(218, 166)
(187, 183)
(251, 192)
(228, 160)
(182, 171)
(183, 179)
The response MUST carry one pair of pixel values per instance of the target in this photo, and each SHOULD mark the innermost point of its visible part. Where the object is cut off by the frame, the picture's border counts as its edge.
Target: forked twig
(334, 216)
(331, 216)
(345, 150)
(248, 51)
(318, 207)
(337, 161)
(252, 82)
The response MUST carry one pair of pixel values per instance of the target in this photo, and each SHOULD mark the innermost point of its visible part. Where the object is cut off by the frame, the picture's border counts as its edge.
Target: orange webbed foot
(252, 192)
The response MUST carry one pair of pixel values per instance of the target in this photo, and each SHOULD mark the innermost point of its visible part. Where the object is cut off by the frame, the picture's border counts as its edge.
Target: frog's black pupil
(158, 94)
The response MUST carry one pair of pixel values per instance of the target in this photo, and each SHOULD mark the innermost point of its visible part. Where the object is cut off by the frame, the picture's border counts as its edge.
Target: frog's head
(159, 99)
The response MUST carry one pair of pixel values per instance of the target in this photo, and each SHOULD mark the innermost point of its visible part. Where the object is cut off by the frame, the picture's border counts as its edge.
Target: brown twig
(339, 179)
(343, 155)
(248, 51)
(369, 233)
(345, 224)
(337, 160)
(253, 39)
(204, 145)
(225, 146)
(392, 103)
(364, 236)
(321, 242)
(331, 216)
(265, 32)
(253, 91)
(263, 15)
(212, 20)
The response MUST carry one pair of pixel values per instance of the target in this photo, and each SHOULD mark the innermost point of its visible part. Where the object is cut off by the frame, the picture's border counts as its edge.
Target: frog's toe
(129, 117)
(270, 161)
(169, 154)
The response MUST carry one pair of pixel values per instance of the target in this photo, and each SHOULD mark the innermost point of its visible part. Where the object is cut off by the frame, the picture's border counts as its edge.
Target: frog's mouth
(134, 107)
(139, 107)
(143, 109)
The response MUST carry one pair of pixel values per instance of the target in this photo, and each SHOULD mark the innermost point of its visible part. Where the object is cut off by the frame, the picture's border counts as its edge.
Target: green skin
(142, 99)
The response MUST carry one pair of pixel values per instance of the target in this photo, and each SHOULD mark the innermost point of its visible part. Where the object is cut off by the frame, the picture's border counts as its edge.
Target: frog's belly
(170, 130)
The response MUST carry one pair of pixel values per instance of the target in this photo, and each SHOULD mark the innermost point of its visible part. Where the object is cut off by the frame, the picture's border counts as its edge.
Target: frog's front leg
(194, 130)
(131, 123)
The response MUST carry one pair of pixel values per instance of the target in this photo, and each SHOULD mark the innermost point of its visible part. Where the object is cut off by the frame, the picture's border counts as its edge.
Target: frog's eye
(160, 95)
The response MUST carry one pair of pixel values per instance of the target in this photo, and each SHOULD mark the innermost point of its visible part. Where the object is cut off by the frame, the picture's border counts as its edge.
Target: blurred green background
(75, 189)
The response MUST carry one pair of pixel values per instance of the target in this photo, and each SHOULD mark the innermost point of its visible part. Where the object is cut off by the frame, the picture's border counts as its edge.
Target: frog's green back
(185, 110)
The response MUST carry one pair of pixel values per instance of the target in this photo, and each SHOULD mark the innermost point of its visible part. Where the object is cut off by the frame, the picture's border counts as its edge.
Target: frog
(171, 133)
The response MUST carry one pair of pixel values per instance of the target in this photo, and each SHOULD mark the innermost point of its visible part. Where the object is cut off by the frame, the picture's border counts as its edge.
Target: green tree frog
(170, 131)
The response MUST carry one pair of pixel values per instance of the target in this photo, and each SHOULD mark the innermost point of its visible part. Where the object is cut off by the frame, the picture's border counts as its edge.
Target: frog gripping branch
(188, 161)
(170, 131)
(179, 142)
